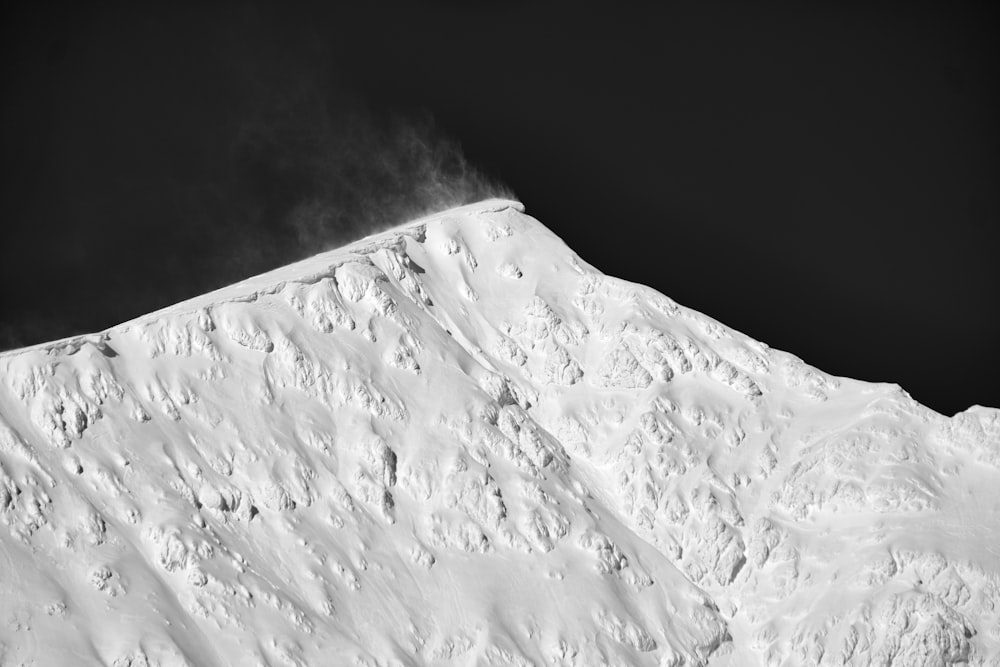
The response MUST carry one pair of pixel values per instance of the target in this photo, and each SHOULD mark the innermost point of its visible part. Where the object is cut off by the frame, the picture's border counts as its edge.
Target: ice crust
(456, 442)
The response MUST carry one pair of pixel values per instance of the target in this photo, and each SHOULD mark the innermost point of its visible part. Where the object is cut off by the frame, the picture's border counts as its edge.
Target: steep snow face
(455, 442)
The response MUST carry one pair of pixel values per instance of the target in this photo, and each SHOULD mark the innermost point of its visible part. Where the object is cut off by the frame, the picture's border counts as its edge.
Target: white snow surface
(457, 443)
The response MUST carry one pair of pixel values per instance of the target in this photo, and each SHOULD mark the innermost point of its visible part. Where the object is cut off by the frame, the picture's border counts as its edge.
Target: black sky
(821, 176)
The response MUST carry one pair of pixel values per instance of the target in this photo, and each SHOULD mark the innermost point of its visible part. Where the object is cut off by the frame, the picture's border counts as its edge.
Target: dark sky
(822, 176)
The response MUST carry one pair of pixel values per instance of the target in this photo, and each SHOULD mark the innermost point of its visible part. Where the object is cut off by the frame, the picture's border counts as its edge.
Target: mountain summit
(457, 443)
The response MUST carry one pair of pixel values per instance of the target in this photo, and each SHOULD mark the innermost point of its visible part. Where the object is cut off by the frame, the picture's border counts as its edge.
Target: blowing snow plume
(327, 169)
(316, 164)
(378, 175)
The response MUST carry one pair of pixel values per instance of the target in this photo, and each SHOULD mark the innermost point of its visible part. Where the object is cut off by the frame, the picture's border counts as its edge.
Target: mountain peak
(454, 441)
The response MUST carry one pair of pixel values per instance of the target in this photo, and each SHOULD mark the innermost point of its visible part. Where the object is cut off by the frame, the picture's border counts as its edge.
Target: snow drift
(455, 442)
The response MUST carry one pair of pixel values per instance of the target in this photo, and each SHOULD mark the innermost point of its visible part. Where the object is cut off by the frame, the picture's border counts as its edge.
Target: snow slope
(456, 443)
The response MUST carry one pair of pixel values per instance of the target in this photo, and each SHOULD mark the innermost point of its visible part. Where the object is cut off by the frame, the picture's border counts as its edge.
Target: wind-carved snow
(457, 443)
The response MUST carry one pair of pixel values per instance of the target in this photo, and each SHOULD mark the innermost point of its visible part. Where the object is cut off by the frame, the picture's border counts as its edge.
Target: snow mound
(455, 442)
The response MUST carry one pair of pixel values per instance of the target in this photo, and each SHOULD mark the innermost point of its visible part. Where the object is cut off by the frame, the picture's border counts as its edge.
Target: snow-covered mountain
(456, 443)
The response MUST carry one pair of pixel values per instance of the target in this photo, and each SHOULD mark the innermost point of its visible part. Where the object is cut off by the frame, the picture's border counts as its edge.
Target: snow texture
(455, 442)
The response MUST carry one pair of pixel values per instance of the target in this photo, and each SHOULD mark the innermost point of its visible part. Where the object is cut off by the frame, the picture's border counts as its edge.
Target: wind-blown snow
(455, 442)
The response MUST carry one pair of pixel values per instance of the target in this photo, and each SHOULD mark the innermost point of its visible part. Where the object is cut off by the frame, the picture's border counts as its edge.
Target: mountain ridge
(273, 278)
(456, 442)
